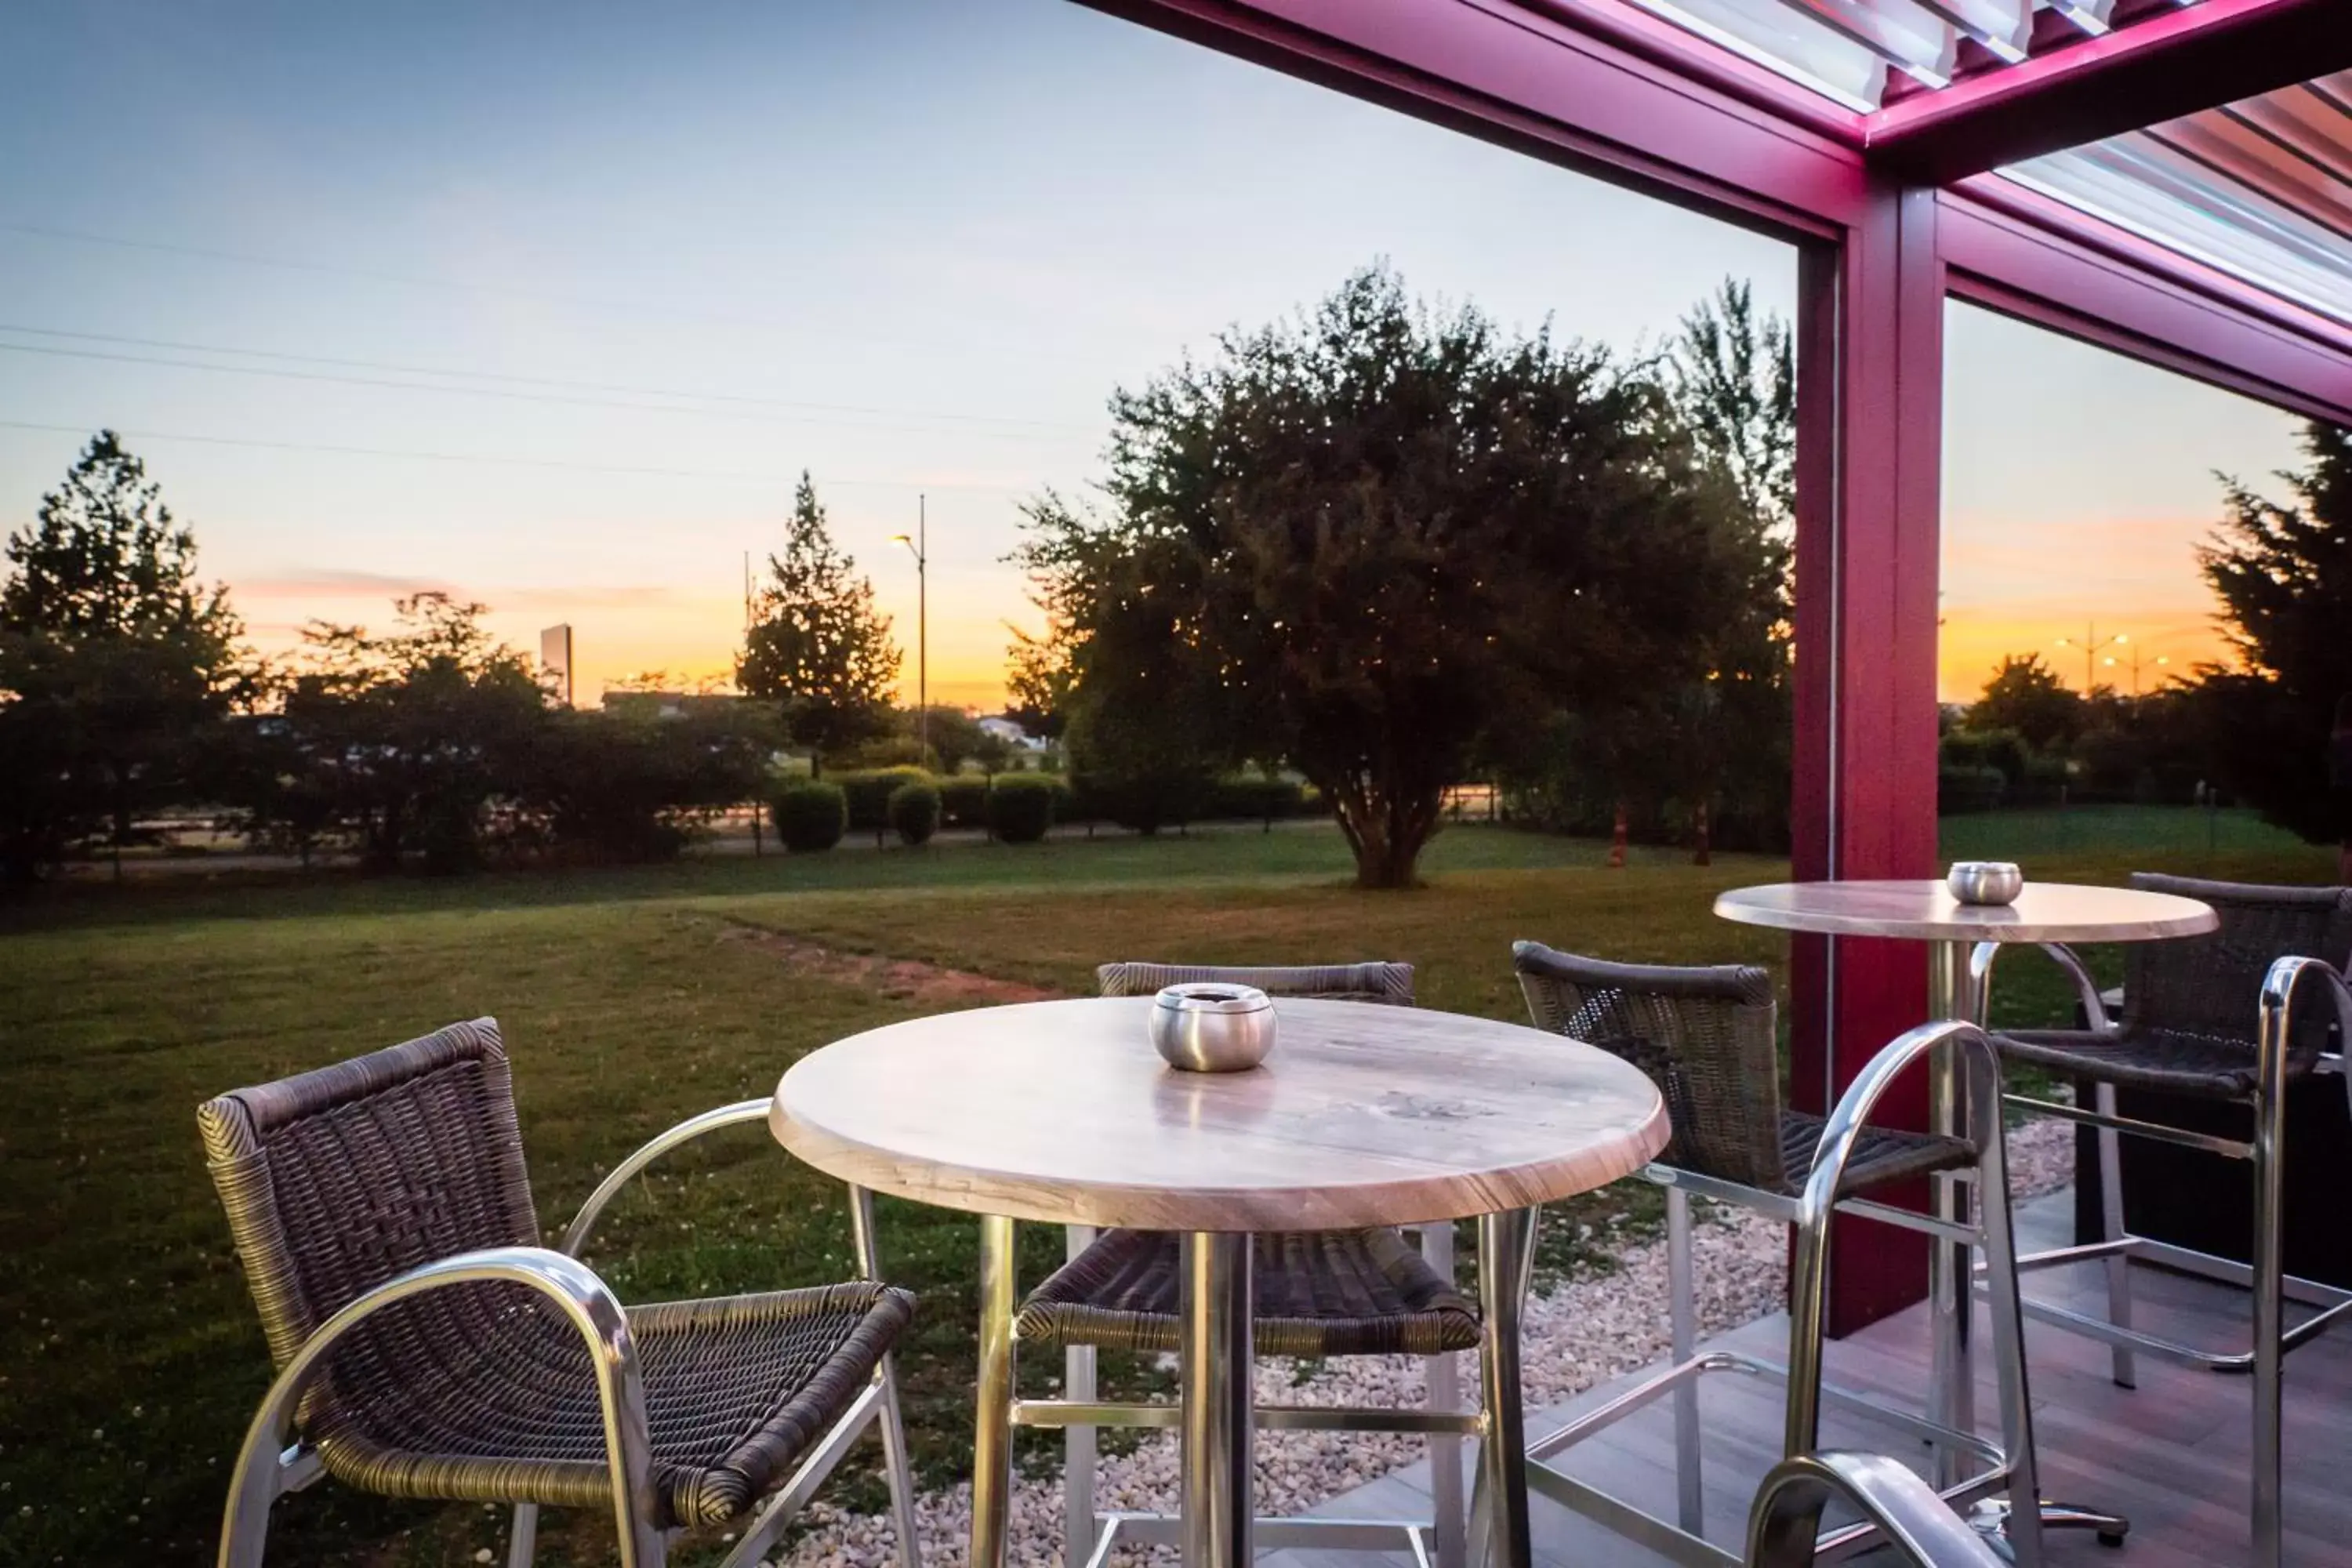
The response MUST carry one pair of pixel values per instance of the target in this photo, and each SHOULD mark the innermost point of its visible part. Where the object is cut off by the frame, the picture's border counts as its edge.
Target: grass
(128, 1354)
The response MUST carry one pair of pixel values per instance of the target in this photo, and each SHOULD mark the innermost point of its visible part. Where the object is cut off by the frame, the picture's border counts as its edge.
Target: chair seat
(1316, 1293)
(2167, 1062)
(1882, 1154)
(737, 1389)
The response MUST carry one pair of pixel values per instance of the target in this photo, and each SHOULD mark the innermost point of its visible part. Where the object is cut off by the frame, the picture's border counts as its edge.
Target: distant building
(1013, 734)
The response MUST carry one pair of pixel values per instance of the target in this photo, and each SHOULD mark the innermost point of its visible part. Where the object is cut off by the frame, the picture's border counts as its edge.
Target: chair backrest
(2210, 985)
(1705, 1035)
(1389, 982)
(337, 1180)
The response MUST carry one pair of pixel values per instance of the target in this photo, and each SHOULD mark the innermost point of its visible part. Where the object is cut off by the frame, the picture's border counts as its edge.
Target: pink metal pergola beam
(2169, 65)
(1596, 84)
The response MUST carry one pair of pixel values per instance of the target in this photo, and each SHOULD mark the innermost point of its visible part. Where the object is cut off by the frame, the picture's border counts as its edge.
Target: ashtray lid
(1211, 996)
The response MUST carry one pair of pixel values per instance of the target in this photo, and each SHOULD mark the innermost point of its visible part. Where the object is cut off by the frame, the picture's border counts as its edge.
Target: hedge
(812, 816)
(870, 794)
(963, 802)
(1969, 789)
(915, 812)
(1021, 808)
(1244, 797)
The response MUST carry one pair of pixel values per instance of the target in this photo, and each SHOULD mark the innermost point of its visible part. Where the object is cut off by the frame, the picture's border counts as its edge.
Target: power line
(484, 457)
(532, 379)
(275, 372)
(407, 281)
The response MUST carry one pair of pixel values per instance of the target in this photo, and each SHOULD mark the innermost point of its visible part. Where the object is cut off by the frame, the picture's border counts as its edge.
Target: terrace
(2169, 182)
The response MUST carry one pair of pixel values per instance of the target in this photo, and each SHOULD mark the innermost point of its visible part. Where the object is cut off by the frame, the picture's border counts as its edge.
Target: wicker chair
(1707, 1037)
(2207, 1019)
(428, 1346)
(1366, 1292)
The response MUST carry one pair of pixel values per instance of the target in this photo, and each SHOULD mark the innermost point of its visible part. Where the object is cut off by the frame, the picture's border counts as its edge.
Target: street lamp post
(2134, 662)
(2091, 644)
(919, 546)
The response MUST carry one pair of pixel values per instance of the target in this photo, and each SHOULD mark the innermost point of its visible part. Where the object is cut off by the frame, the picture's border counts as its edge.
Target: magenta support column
(1869, 416)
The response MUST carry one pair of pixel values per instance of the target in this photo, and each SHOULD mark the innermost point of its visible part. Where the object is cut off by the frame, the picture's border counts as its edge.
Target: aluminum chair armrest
(686, 1131)
(584, 1299)
(1787, 1515)
(2087, 990)
(2281, 986)
(1852, 1114)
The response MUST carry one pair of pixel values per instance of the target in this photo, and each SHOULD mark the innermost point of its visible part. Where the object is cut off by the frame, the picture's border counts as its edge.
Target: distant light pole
(2091, 644)
(918, 547)
(2133, 663)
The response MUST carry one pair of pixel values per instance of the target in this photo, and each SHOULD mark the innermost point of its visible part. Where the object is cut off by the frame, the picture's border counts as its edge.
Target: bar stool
(1706, 1036)
(2187, 1029)
(1324, 1293)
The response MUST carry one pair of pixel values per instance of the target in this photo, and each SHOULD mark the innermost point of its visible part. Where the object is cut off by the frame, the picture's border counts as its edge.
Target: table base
(1990, 1518)
(1217, 1470)
(1957, 989)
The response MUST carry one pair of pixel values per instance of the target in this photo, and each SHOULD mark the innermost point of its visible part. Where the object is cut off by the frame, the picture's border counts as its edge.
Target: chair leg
(522, 1540)
(1690, 1490)
(2270, 1130)
(899, 1463)
(992, 1450)
(2111, 1229)
(1445, 1392)
(1998, 1234)
(1078, 1443)
(1478, 1538)
(1808, 1307)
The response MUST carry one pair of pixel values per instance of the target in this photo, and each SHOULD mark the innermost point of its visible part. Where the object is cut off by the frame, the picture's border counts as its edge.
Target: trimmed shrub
(1021, 808)
(811, 816)
(1249, 798)
(963, 802)
(1969, 789)
(915, 812)
(1998, 749)
(869, 794)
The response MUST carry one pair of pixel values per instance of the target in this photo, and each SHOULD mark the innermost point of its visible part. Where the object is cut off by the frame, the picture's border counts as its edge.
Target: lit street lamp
(2158, 662)
(2091, 644)
(918, 547)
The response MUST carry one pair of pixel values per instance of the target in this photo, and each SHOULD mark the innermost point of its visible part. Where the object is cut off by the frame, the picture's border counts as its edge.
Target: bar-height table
(1061, 1113)
(2043, 914)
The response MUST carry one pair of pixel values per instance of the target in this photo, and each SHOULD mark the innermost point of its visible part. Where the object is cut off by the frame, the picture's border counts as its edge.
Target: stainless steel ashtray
(1209, 1027)
(1985, 881)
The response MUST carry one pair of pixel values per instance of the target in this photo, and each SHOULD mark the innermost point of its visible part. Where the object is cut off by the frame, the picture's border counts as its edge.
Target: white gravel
(1587, 1331)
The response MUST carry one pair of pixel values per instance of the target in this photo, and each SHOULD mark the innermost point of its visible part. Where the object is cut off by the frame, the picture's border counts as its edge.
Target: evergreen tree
(818, 646)
(2283, 574)
(114, 661)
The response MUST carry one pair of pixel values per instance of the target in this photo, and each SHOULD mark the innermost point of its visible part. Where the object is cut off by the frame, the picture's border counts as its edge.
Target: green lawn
(630, 999)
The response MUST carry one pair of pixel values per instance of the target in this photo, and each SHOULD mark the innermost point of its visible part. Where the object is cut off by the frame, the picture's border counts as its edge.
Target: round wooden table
(1362, 1115)
(2046, 913)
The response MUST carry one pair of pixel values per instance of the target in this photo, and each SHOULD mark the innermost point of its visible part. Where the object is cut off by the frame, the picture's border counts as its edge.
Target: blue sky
(653, 261)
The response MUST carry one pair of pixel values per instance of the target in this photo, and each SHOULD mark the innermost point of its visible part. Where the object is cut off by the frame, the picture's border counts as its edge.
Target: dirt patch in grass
(899, 979)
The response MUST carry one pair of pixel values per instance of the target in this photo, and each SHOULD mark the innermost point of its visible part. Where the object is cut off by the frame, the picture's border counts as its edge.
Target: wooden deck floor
(2170, 1455)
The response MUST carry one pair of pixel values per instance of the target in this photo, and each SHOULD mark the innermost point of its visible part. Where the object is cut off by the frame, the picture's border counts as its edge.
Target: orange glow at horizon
(689, 639)
(2102, 600)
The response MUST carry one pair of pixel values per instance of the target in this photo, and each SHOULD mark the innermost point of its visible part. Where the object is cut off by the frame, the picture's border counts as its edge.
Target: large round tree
(1367, 539)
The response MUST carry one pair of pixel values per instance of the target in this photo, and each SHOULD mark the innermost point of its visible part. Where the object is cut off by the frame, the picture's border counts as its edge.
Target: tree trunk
(1387, 835)
(1617, 837)
(1702, 841)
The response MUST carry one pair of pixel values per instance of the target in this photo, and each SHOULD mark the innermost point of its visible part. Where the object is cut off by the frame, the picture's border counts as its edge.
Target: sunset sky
(550, 305)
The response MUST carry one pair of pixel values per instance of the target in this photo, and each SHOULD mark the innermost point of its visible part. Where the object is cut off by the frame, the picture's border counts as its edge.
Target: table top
(2044, 911)
(1362, 1115)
